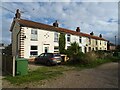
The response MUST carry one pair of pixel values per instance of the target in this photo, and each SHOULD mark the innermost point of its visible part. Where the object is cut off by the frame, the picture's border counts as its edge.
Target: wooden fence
(7, 64)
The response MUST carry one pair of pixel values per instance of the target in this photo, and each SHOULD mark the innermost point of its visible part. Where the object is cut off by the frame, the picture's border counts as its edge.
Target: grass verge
(37, 75)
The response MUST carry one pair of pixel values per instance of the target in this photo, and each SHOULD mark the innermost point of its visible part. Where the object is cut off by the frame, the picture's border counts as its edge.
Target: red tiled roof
(33, 24)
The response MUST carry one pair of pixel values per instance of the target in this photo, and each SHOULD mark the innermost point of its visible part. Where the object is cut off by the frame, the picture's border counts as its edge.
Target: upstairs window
(56, 38)
(34, 35)
(100, 42)
(105, 42)
(89, 41)
(68, 37)
(80, 39)
(96, 42)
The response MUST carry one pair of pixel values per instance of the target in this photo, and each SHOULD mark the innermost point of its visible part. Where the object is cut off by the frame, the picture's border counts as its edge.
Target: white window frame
(33, 51)
(96, 42)
(89, 41)
(56, 37)
(68, 37)
(105, 42)
(34, 35)
(80, 39)
(100, 42)
(56, 50)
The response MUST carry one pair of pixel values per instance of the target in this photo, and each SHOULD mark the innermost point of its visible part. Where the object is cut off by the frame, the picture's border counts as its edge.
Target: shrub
(90, 57)
(74, 52)
(62, 43)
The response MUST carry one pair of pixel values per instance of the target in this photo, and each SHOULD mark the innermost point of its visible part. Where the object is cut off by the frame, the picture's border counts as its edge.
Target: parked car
(48, 58)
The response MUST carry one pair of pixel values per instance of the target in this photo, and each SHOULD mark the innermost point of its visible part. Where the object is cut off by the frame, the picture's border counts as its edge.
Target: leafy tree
(62, 43)
(74, 48)
(8, 50)
(74, 52)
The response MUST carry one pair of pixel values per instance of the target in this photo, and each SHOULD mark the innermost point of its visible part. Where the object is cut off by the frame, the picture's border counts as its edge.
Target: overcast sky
(99, 17)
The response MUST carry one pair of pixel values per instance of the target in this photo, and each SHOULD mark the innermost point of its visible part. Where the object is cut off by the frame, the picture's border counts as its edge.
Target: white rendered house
(30, 38)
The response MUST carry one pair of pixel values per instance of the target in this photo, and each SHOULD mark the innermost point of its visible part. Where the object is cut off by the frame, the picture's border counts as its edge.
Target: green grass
(37, 75)
(94, 63)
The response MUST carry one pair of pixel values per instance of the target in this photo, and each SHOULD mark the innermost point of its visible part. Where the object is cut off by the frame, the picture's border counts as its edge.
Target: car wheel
(59, 63)
(48, 63)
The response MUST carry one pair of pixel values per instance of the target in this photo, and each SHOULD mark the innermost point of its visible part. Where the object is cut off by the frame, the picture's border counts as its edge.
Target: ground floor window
(68, 47)
(33, 50)
(89, 49)
(85, 49)
(56, 49)
(33, 53)
(33, 47)
(96, 48)
(80, 48)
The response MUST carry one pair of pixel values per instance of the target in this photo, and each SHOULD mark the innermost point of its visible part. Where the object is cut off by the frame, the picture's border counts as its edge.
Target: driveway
(104, 76)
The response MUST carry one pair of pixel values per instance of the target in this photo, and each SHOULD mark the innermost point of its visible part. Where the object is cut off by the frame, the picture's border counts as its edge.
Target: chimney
(100, 35)
(55, 24)
(17, 15)
(77, 29)
(91, 33)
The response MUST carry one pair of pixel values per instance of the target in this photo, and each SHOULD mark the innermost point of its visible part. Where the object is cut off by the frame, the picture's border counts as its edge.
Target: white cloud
(89, 16)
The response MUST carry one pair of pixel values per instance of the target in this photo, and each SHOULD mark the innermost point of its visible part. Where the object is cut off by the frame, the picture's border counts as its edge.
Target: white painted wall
(44, 41)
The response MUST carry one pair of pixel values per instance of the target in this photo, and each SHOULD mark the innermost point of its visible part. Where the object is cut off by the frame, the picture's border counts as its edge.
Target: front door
(85, 49)
(46, 49)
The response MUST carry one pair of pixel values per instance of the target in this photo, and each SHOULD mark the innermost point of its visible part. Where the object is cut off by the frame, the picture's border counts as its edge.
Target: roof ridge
(35, 24)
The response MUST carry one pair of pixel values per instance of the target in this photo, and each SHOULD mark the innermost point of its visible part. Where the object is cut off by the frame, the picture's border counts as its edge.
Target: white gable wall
(15, 39)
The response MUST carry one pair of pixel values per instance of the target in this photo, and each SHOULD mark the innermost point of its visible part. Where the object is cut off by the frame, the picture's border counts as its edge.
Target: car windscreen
(57, 55)
(49, 55)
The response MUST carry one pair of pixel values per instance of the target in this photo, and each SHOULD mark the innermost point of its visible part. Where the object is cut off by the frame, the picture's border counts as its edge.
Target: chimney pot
(100, 35)
(91, 33)
(17, 15)
(55, 24)
(78, 29)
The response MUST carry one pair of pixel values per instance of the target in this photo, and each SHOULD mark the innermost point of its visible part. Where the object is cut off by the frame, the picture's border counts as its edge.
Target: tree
(62, 43)
(74, 52)
(74, 49)
(8, 50)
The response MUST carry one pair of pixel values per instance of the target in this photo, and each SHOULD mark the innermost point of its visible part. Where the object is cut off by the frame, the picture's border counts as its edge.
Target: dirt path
(104, 76)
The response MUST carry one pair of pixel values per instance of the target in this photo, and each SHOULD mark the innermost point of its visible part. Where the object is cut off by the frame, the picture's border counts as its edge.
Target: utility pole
(115, 42)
